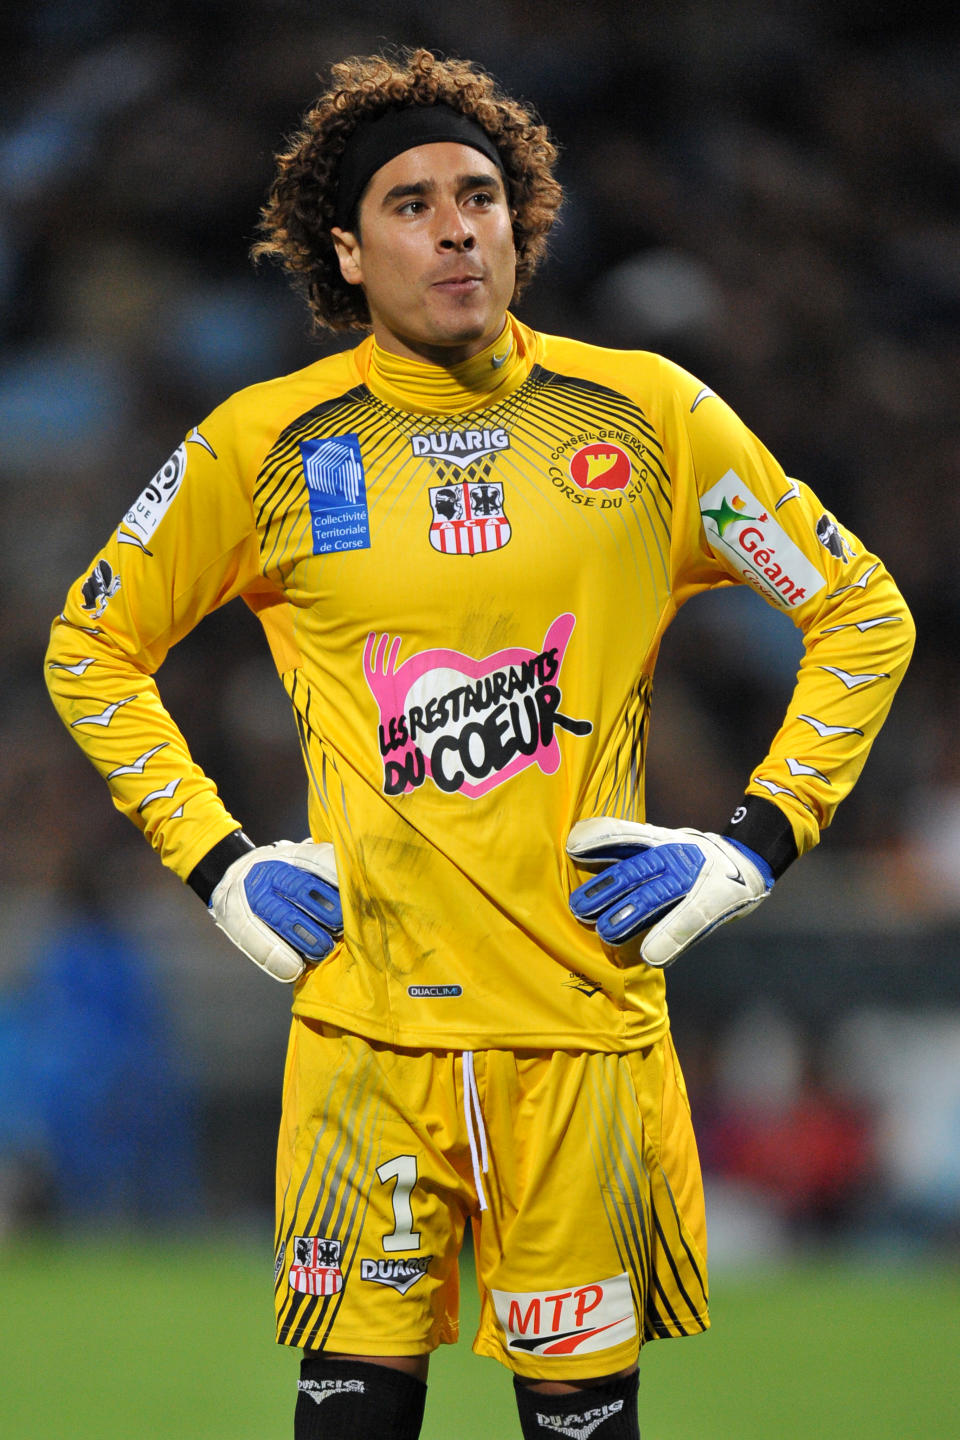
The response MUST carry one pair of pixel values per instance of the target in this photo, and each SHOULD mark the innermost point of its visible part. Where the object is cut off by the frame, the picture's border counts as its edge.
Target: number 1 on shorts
(402, 1169)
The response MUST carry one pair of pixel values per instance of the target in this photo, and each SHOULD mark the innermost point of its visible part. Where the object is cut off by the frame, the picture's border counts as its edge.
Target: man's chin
(451, 339)
(460, 329)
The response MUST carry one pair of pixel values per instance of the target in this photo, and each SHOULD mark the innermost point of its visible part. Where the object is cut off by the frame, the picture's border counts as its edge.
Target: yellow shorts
(578, 1171)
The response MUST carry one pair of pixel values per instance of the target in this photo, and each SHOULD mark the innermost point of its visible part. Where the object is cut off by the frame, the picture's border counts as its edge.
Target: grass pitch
(163, 1339)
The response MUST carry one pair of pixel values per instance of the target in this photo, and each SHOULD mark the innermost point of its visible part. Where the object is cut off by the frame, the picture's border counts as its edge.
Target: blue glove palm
(299, 906)
(280, 905)
(678, 885)
(637, 889)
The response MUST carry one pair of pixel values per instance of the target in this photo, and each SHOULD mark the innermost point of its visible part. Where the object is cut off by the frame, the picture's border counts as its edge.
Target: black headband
(374, 142)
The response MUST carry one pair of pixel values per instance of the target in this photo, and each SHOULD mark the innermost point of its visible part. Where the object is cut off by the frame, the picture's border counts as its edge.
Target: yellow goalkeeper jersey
(464, 576)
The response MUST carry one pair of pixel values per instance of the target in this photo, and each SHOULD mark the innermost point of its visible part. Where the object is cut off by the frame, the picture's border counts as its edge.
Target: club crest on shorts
(316, 1266)
(468, 517)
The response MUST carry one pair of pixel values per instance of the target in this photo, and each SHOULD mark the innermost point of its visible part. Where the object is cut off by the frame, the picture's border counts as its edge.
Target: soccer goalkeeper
(464, 541)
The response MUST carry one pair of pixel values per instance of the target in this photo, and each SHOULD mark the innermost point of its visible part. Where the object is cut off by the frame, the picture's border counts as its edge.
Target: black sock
(353, 1399)
(608, 1411)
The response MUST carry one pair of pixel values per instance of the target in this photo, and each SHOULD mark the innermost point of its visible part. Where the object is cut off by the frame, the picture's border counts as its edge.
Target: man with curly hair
(464, 541)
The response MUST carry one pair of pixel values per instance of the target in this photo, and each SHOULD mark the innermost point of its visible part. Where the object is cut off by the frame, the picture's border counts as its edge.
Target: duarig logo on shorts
(336, 494)
(739, 528)
(574, 1321)
(465, 723)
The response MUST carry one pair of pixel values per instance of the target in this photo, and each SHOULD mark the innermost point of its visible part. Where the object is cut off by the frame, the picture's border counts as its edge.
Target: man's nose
(464, 242)
(454, 233)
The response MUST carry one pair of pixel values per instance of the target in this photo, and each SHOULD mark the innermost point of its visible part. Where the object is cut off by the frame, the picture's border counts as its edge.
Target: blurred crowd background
(769, 193)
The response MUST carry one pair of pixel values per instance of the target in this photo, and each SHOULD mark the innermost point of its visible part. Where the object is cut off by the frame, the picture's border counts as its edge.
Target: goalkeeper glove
(681, 883)
(280, 905)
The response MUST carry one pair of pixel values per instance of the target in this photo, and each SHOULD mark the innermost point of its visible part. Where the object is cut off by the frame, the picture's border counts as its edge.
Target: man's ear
(347, 245)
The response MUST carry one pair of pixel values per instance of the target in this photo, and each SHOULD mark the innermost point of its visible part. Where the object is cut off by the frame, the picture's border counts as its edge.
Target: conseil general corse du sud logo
(600, 466)
(600, 471)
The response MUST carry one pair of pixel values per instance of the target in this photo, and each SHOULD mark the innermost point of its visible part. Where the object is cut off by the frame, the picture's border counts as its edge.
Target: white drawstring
(472, 1113)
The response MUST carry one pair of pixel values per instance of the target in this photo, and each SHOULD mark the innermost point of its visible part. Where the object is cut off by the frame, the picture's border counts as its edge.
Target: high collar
(441, 390)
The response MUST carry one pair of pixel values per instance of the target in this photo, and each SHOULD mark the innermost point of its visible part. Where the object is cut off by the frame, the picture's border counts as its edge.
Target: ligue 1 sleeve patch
(146, 512)
(759, 549)
(337, 494)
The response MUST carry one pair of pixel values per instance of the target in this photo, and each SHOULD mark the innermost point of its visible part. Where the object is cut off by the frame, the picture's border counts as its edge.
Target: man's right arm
(186, 546)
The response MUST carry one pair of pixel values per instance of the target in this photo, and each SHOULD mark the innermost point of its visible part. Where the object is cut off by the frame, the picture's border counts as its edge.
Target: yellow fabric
(468, 644)
(376, 1185)
(484, 379)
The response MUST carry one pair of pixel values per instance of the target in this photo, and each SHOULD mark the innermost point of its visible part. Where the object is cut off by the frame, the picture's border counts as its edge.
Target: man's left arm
(739, 518)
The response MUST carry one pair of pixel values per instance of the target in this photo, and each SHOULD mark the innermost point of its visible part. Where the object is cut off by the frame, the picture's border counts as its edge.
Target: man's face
(434, 252)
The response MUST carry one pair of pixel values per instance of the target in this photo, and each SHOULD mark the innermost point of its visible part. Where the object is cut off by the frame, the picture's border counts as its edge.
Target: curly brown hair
(295, 222)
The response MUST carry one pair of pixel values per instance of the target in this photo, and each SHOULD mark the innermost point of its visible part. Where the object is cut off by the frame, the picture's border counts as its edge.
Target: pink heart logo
(468, 724)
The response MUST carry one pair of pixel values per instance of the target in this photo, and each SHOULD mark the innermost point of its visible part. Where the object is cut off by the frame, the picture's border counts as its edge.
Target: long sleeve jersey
(464, 577)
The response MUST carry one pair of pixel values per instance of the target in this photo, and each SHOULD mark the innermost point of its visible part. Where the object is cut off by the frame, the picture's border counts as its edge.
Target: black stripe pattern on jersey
(649, 1234)
(281, 511)
(319, 762)
(331, 1206)
(619, 790)
(591, 405)
(549, 411)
